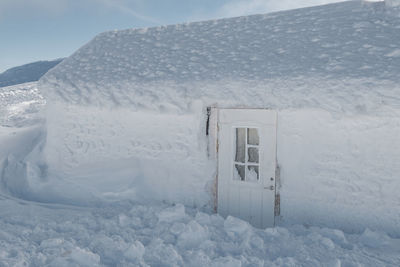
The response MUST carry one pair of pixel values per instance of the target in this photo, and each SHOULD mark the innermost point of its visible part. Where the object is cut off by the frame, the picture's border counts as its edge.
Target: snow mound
(330, 57)
(125, 233)
(172, 214)
(126, 120)
(126, 114)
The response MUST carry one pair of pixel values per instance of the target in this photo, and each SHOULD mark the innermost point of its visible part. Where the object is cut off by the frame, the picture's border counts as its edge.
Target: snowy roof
(338, 44)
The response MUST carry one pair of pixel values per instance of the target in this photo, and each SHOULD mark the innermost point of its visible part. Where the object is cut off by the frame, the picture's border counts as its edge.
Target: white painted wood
(213, 149)
(213, 133)
(250, 201)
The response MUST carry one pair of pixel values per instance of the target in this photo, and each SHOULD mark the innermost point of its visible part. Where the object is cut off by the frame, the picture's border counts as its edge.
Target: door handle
(269, 187)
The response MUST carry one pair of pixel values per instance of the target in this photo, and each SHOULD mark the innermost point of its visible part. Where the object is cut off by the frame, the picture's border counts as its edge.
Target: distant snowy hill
(27, 73)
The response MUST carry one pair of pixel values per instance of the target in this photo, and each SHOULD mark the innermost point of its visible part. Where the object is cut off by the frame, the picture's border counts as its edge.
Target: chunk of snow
(235, 226)
(171, 214)
(192, 235)
(135, 251)
(373, 239)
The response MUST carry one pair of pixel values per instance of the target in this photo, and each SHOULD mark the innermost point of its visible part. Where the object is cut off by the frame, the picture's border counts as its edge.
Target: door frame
(213, 147)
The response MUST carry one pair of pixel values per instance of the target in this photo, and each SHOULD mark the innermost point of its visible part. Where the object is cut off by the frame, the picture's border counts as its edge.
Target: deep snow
(342, 57)
(128, 234)
(130, 107)
(56, 221)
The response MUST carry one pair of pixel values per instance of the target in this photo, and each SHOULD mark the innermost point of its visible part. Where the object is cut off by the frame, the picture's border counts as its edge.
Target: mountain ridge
(27, 73)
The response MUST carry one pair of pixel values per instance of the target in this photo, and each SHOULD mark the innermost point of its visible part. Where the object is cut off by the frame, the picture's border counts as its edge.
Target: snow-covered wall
(127, 112)
(118, 153)
(336, 169)
(340, 169)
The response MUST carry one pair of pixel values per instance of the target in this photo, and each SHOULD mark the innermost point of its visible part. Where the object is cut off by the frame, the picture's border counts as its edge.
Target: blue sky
(32, 30)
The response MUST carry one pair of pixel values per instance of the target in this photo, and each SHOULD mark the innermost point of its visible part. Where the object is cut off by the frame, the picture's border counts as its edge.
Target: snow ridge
(26, 73)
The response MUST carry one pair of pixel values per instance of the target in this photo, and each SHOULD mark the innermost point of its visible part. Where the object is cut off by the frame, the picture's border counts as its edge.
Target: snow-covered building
(288, 117)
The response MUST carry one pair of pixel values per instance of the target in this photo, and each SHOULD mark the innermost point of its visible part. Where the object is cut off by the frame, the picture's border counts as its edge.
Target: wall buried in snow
(119, 153)
(339, 170)
(336, 169)
(127, 112)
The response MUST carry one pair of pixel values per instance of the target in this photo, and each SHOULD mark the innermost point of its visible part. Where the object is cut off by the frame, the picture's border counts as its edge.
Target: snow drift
(125, 233)
(126, 114)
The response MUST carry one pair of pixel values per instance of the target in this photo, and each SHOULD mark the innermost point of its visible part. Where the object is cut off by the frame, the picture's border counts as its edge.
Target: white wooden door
(246, 165)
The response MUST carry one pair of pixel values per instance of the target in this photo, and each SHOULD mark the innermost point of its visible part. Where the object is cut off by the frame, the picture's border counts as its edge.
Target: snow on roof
(327, 51)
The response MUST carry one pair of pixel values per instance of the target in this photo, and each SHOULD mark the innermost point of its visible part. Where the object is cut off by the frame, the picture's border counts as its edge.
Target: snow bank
(21, 136)
(124, 234)
(126, 114)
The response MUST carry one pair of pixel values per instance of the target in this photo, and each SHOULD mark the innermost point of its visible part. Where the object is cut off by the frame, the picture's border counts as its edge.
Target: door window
(246, 158)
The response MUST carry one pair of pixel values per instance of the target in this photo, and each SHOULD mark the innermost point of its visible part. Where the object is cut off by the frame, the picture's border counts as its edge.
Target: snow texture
(124, 233)
(127, 234)
(103, 230)
(126, 114)
(19, 105)
(339, 57)
(392, 3)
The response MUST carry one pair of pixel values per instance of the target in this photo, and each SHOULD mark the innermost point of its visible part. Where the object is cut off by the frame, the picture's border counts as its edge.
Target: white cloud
(246, 7)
